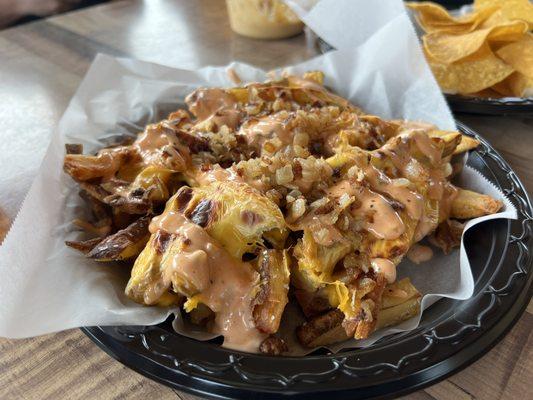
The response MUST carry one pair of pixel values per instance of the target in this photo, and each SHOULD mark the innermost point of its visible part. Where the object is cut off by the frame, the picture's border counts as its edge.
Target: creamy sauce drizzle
(341, 188)
(376, 209)
(153, 141)
(380, 182)
(379, 217)
(385, 267)
(219, 174)
(257, 132)
(216, 174)
(203, 103)
(219, 281)
(433, 177)
(450, 193)
(110, 161)
(419, 253)
(229, 117)
(427, 147)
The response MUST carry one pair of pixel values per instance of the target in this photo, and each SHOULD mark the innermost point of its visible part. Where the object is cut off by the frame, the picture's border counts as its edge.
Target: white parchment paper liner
(47, 287)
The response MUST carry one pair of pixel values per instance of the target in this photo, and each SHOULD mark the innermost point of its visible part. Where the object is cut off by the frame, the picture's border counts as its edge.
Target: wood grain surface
(41, 65)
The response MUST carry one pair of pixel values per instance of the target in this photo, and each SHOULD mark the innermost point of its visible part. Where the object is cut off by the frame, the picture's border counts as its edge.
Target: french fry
(399, 313)
(447, 235)
(272, 297)
(282, 174)
(322, 330)
(401, 301)
(398, 292)
(468, 204)
(123, 245)
(312, 303)
(467, 143)
(146, 272)
(84, 246)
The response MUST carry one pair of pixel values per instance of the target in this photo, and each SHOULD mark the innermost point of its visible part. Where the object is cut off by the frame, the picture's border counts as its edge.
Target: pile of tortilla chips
(486, 53)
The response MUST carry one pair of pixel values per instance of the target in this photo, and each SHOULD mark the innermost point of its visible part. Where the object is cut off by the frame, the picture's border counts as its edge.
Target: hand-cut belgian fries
(400, 302)
(273, 188)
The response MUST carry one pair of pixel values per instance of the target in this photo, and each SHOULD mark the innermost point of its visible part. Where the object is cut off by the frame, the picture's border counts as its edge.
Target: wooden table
(42, 63)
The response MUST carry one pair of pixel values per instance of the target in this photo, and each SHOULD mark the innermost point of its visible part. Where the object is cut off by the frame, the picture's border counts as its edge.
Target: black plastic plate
(452, 334)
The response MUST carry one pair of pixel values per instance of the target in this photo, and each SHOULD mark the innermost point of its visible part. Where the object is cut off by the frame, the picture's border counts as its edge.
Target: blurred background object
(14, 12)
(263, 19)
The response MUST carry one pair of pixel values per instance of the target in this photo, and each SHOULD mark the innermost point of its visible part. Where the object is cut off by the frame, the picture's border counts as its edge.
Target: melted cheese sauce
(214, 278)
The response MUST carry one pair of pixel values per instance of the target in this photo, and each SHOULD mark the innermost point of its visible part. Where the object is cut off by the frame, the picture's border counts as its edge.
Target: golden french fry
(270, 301)
(312, 303)
(447, 235)
(468, 204)
(398, 293)
(399, 313)
(322, 330)
(123, 245)
(401, 301)
(467, 143)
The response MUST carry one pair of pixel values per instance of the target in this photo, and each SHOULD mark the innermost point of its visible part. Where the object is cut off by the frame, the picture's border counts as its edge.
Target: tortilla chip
(435, 18)
(519, 55)
(509, 32)
(488, 94)
(515, 85)
(509, 10)
(479, 71)
(448, 48)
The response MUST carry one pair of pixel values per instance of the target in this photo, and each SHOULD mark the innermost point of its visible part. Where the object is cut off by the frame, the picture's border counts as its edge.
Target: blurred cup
(263, 19)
